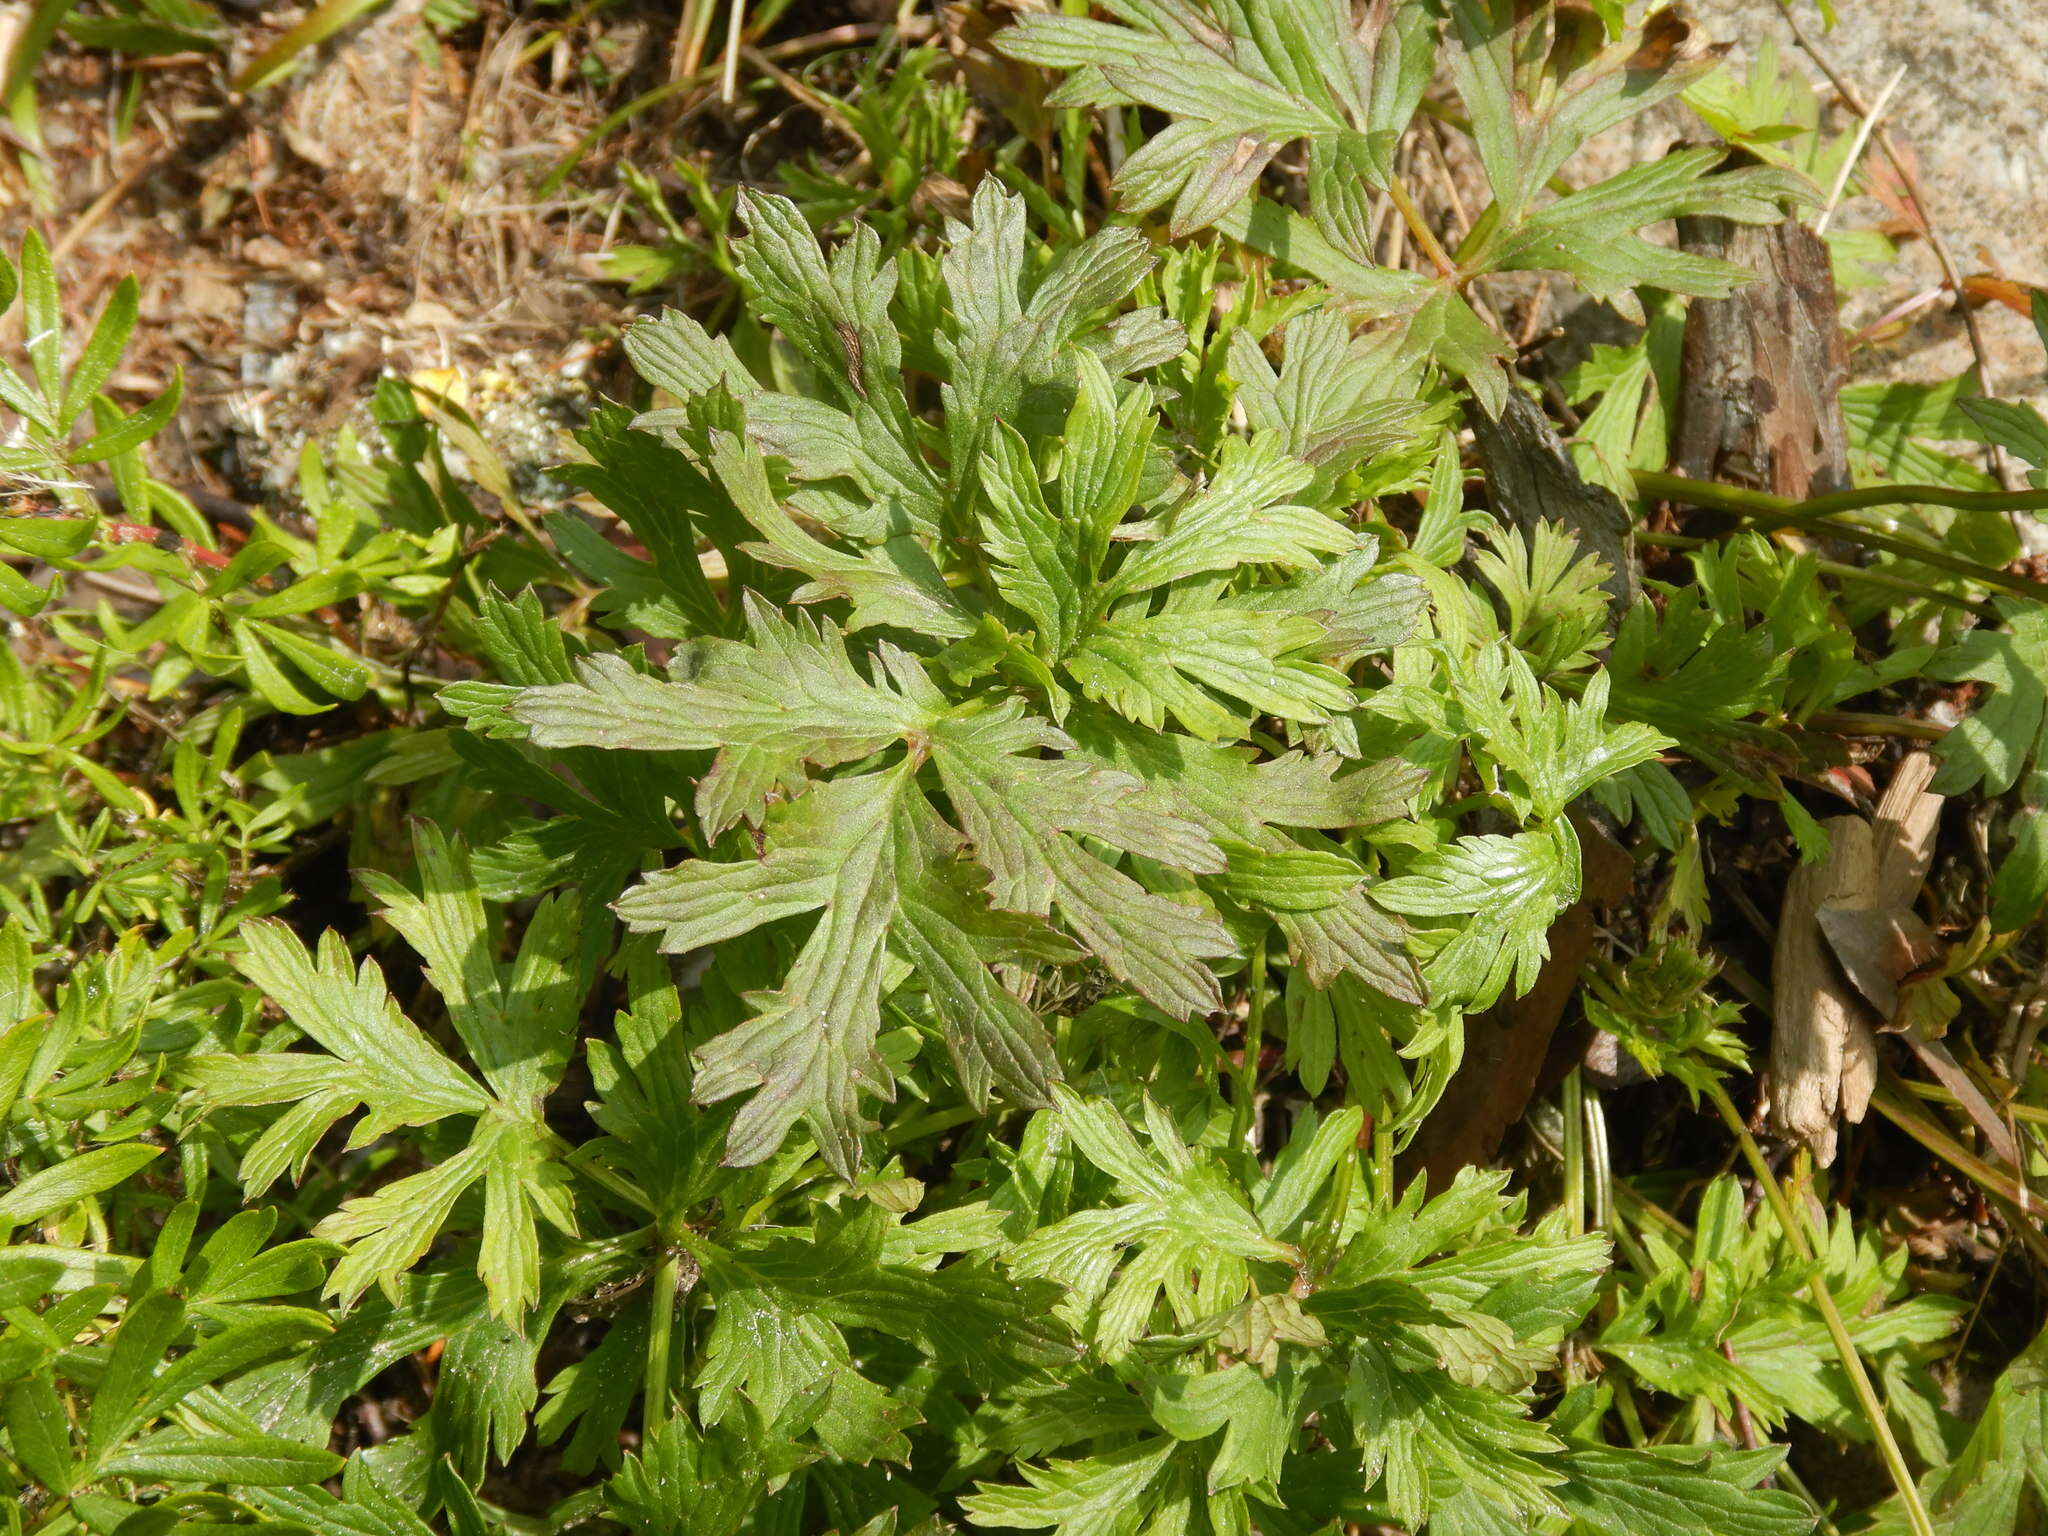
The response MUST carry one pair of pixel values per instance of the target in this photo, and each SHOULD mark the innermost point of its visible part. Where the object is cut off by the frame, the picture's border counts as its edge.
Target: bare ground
(379, 212)
(386, 208)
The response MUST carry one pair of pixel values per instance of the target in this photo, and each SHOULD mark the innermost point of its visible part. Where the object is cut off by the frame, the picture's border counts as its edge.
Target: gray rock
(1970, 110)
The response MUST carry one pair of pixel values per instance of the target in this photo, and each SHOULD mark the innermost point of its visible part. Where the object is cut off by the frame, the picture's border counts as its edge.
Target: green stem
(1839, 571)
(1322, 1248)
(1920, 590)
(1644, 1212)
(1599, 1164)
(1815, 515)
(1934, 1093)
(660, 1329)
(1852, 723)
(1631, 1416)
(591, 1168)
(1247, 1076)
(1574, 1152)
(1735, 498)
(1383, 1168)
(1626, 1240)
(1418, 226)
(1823, 1298)
(729, 78)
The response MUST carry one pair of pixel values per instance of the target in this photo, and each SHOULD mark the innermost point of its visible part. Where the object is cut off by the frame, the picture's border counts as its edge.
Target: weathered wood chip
(1848, 937)
(1876, 935)
(1907, 819)
(1823, 1051)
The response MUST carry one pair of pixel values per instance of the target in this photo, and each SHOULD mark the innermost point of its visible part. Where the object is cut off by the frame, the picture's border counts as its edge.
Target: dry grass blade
(2022, 1206)
(1868, 122)
(1939, 1060)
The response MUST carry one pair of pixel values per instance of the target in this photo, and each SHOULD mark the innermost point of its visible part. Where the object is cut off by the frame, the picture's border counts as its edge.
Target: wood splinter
(1847, 938)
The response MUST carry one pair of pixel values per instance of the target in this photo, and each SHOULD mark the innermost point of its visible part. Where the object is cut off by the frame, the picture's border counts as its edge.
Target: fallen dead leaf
(1878, 950)
(1983, 288)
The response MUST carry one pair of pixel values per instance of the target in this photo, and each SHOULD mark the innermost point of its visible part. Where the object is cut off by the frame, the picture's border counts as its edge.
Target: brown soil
(378, 212)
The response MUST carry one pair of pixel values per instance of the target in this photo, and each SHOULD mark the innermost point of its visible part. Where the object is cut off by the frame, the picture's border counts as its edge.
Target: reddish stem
(163, 538)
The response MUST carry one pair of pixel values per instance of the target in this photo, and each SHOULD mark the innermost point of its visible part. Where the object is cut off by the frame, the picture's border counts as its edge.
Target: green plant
(974, 863)
(1243, 87)
(946, 886)
(251, 616)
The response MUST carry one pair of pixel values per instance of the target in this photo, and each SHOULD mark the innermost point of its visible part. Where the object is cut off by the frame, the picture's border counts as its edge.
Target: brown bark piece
(1506, 1046)
(1823, 1051)
(1531, 479)
(1764, 368)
